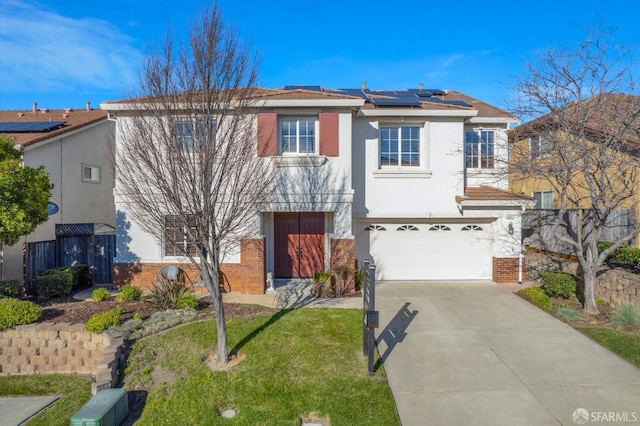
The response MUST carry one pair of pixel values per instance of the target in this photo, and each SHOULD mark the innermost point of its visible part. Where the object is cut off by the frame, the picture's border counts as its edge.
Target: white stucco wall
(78, 201)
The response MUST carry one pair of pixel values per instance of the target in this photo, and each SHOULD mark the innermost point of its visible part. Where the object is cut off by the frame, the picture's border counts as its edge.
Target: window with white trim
(190, 133)
(298, 135)
(176, 241)
(544, 199)
(439, 228)
(539, 147)
(479, 149)
(400, 146)
(90, 173)
(471, 228)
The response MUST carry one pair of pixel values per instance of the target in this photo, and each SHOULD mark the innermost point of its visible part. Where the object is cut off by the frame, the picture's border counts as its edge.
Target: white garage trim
(428, 251)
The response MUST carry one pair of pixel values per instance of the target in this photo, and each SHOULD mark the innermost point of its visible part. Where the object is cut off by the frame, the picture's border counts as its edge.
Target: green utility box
(109, 407)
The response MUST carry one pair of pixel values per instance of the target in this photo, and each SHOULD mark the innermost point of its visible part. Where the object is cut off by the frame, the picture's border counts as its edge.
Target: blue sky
(65, 53)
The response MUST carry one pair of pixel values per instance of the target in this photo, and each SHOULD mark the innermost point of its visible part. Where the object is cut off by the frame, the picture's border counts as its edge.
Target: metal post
(365, 306)
(372, 325)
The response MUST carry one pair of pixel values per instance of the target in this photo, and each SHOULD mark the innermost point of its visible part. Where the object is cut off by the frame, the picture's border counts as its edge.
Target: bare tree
(588, 110)
(187, 157)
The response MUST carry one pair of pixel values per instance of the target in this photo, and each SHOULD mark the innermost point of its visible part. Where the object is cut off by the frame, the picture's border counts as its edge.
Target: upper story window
(544, 199)
(298, 135)
(90, 173)
(400, 146)
(479, 149)
(190, 133)
(539, 147)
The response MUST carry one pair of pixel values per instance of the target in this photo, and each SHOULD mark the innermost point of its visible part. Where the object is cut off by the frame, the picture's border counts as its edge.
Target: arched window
(407, 228)
(471, 228)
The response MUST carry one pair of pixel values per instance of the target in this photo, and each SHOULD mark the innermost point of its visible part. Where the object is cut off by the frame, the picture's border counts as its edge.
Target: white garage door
(430, 251)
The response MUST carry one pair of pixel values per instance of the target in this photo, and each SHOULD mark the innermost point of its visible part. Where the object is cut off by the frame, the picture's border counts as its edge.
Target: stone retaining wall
(46, 348)
(613, 285)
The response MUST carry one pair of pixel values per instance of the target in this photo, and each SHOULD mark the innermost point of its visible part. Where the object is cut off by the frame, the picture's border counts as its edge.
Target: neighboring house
(411, 178)
(603, 132)
(72, 145)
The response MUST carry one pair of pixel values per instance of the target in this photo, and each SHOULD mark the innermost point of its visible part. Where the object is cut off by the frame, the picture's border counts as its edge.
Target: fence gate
(75, 243)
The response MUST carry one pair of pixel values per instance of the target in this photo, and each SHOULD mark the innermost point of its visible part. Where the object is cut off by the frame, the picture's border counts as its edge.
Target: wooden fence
(537, 228)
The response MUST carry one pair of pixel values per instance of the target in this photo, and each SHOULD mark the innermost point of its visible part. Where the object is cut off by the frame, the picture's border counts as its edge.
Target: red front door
(298, 244)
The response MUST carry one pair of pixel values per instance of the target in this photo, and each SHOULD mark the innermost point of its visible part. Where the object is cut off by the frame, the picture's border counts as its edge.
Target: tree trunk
(221, 327)
(590, 305)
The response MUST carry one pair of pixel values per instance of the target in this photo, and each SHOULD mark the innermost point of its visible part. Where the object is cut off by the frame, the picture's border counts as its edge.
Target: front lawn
(304, 364)
(293, 365)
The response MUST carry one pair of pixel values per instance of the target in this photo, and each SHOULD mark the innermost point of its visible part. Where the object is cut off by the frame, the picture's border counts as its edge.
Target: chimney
(34, 109)
(364, 86)
(88, 106)
(420, 87)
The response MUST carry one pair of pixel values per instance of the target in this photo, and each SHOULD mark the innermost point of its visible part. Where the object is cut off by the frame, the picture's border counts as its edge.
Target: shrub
(187, 301)
(569, 313)
(103, 320)
(537, 296)
(322, 284)
(627, 256)
(54, 284)
(626, 317)
(167, 293)
(129, 293)
(345, 280)
(558, 284)
(100, 294)
(80, 275)
(17, 312)
(11, 288)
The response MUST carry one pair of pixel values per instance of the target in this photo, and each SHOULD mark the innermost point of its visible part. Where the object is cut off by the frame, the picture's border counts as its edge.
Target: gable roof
(73, 119)
(417, 99)
(605, 112)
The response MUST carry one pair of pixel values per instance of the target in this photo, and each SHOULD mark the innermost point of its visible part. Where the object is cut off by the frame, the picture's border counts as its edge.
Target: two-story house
(580, 156)
(410, 178)
(73, 146)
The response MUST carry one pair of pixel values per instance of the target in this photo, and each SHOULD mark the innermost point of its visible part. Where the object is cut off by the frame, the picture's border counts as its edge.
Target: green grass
(74, 392)
(624, 344)
(304, 362)
(297, 362)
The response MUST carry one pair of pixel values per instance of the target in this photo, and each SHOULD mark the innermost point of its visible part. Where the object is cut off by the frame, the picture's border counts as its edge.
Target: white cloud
(44, 51)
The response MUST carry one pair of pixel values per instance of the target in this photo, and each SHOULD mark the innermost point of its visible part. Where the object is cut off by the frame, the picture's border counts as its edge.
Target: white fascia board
(495, 203)
(404, 216)
(502, 120)
(416, 113)
(279, 103)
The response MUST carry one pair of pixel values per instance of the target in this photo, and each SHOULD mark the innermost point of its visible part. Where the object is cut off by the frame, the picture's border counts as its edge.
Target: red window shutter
(267, 134)
(329, 134)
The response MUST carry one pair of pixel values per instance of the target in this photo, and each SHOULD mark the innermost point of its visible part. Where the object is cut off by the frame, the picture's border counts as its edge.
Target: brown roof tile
(485, 192)
(74, 119)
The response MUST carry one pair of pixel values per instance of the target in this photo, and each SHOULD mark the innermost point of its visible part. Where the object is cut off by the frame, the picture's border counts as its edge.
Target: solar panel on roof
(352, 92)
(303, 87)
(395, 101)
(30, 126)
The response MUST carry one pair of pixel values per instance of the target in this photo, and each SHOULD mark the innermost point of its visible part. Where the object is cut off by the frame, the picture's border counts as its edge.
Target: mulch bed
(78, 312)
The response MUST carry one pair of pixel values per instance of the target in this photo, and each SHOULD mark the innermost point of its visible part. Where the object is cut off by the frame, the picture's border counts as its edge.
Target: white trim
(492, 120)
(299, 160)
(495, 203)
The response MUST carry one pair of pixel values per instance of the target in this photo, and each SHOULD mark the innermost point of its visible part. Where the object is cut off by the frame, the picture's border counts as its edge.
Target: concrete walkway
(472, 353)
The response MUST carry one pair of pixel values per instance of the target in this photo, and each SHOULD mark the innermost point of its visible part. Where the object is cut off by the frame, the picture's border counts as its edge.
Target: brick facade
(247, 277)
(505, 270)
(343, 253)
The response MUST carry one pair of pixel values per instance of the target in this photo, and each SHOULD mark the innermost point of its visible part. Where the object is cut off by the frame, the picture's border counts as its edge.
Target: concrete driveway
(472, 353)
